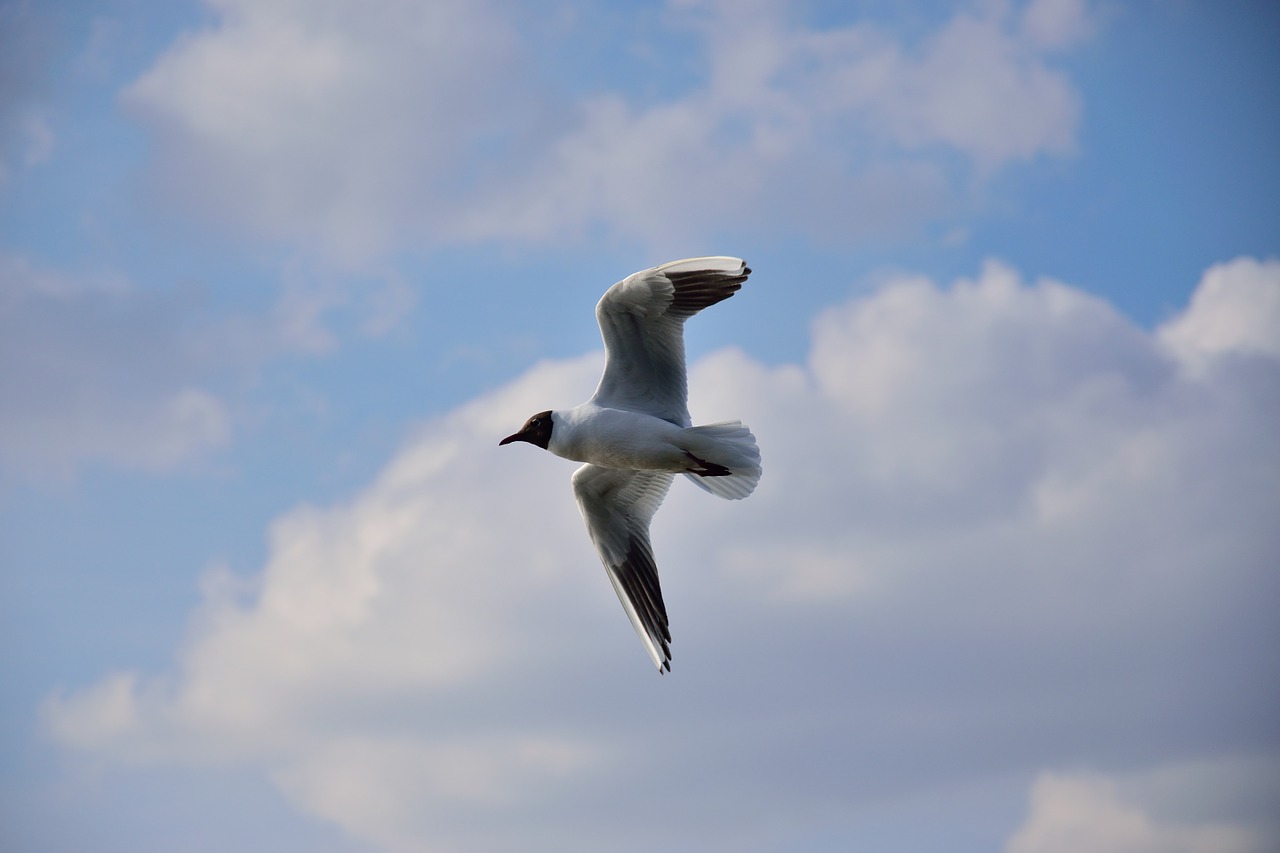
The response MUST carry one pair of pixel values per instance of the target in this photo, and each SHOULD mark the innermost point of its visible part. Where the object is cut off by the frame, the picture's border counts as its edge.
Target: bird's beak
(519, 436)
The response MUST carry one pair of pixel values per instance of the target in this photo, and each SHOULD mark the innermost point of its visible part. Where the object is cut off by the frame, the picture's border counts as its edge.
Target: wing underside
(617, 506)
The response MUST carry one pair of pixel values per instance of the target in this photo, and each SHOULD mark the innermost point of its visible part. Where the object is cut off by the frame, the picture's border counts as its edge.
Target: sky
(275, 277)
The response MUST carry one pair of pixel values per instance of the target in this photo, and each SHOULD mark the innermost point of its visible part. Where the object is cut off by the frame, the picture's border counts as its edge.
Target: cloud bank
(1002, 534)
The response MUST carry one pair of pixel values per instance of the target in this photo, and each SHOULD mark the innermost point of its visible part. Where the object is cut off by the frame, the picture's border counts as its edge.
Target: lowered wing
(618, 505)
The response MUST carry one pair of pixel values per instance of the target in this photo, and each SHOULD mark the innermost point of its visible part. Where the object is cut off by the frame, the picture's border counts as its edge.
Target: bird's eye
(533, 422)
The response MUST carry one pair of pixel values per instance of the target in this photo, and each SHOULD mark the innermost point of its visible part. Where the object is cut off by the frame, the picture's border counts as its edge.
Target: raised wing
(642, 322)
(618, 505)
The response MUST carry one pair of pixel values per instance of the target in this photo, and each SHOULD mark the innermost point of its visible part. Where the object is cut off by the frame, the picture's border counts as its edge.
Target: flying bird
(634, 434)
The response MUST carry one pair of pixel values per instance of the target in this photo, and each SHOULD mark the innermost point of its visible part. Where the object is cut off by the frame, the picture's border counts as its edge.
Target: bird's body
(634, 434)
(618, 438)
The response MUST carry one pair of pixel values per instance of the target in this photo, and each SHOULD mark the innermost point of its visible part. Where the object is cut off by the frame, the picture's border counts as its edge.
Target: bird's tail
(730, 447)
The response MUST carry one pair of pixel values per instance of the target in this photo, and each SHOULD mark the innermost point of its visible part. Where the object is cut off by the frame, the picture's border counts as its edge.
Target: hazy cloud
(90, 369)
(1075, 812)
(26, 43)
(951, 468)
(96, 369)
(1056, 23)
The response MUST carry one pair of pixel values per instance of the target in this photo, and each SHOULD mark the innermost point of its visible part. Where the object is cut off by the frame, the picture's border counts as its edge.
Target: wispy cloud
(95, 369)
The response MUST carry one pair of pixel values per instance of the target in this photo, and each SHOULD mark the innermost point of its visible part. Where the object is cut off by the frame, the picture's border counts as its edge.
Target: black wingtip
(699, 289)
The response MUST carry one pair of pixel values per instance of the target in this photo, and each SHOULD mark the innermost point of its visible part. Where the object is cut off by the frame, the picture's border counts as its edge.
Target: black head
(536, 430)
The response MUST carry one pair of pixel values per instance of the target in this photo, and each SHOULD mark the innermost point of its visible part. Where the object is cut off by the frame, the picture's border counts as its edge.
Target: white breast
(615, 438)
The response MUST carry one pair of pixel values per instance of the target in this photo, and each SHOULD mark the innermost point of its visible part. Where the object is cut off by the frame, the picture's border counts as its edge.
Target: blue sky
(276, 276)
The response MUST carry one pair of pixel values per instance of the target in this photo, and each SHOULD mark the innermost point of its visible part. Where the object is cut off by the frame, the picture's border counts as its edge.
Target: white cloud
(354, 130)
(333, 121)
(999, 530)
(1235, 310)
(822, 130)
(1075, 812)
(980, 90)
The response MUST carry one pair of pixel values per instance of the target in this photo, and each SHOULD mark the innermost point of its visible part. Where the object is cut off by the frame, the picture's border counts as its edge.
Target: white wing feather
(642, 322)
(617, 505)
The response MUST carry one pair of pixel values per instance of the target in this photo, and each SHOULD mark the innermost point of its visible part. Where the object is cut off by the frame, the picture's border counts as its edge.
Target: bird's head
(536, 430)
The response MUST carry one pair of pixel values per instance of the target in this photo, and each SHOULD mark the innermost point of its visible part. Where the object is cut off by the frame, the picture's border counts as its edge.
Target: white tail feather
(731, 445)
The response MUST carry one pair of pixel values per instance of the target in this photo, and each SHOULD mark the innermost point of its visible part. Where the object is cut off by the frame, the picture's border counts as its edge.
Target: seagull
(635, 435)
